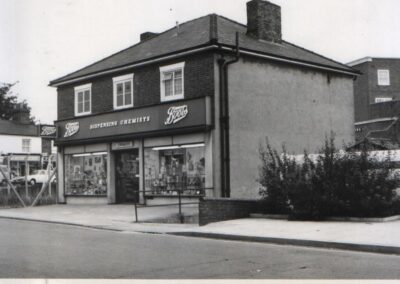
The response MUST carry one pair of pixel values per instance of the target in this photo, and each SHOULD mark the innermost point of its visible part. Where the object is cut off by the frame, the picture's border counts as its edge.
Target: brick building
(187, 109)
(376, 101)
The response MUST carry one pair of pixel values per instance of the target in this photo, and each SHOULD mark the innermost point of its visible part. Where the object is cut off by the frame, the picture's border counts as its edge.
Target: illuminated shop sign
(49, 131)
(170, 116)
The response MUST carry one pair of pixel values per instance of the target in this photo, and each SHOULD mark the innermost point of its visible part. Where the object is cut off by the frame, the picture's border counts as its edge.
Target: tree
(10, 107)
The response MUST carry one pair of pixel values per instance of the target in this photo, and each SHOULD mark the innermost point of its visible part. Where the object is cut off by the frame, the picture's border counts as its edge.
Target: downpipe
(224, 118)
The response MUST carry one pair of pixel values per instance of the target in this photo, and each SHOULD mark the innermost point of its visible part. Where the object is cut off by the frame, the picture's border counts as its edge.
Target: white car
(38, 176)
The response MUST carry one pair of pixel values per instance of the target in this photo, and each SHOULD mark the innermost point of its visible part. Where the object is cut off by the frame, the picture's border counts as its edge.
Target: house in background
(22, 143)
(187, 109)
(377, 102)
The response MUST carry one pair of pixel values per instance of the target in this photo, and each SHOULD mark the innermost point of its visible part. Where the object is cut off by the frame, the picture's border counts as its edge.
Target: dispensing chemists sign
(181, 114)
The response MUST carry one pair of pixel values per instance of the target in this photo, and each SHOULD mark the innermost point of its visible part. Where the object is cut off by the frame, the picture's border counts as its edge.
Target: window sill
(84, 195)
(392, 101)
(171, 99)
(123, 107)
(173, 196)
(83, 113)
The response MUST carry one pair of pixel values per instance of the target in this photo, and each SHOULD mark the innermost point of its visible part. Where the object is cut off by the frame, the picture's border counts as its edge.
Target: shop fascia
(175, 114)
(191, 113)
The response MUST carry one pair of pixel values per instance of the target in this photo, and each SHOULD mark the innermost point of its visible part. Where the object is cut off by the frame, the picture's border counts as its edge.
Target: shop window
(26, 145)
(86, 174)
(383, 77)
(175, 168)
(171, 84)
(83, 99)
(123, 91)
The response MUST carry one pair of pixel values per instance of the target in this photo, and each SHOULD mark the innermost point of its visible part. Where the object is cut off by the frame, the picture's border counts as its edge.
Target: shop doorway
(127, 176)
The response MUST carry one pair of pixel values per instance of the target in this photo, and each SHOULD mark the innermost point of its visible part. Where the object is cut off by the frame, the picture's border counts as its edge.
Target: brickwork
(198, 82)
(366, 89)
(221, 209)
(264, 20)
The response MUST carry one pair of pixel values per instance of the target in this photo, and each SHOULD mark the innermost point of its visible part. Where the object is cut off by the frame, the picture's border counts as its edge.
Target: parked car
(38, 176)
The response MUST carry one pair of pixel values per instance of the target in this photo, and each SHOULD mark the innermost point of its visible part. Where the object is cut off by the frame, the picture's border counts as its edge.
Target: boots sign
(137, 121)
(176, 114)
(48, 131)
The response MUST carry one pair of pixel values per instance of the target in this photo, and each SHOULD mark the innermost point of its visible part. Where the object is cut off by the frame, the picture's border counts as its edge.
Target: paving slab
(112, 217)
(364, 236)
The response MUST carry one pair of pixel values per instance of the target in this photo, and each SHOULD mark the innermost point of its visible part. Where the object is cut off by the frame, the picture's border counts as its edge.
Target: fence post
(26, 176)
(9, 169)
(136, 217)
(13, 188)
(180, 206)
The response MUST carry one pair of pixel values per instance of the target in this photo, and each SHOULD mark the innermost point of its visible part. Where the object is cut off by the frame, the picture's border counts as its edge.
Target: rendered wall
(13, 144)
(290, 105)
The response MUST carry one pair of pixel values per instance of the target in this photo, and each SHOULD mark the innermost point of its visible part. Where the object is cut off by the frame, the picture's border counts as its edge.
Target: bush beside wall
(335, 184)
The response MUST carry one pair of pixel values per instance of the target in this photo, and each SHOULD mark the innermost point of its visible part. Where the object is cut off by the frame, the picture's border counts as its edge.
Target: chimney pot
(264, 20)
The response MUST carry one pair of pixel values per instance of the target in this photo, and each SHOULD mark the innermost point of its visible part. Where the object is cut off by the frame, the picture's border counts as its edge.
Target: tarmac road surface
(42, 250)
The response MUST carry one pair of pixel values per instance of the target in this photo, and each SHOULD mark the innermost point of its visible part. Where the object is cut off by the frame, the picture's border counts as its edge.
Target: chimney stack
(147, 36)
(264, 21)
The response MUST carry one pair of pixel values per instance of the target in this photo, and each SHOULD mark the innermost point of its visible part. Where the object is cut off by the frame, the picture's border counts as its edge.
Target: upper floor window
(83, 99)
(383, 77)
(171, 84)
(123, 91)
(383, 99)
(26, 145)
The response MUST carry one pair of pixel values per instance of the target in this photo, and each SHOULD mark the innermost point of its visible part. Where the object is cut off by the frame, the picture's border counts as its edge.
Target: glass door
(127, 176)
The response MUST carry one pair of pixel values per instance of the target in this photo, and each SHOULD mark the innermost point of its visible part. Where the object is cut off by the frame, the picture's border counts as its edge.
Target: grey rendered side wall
(289, 105)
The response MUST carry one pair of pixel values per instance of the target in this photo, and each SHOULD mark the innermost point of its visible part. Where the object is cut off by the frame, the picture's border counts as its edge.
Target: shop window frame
(99, 153)
(175, 147)
(168, 69)
(82, 89)
(122, 80)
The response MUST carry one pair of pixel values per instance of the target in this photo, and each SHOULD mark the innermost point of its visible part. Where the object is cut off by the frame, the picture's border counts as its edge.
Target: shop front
(21, 164)
(138, 155)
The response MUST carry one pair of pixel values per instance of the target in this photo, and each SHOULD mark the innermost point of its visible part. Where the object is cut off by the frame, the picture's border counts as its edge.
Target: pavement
(378, 237)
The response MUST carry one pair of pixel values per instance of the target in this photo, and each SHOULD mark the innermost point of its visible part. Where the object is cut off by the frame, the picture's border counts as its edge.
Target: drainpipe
(224, 119)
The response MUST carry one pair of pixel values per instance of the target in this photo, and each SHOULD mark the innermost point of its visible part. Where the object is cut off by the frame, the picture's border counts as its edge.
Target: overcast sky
(41, 40)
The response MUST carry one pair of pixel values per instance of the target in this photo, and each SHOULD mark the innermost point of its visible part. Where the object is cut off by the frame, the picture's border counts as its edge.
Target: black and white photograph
(184, 140)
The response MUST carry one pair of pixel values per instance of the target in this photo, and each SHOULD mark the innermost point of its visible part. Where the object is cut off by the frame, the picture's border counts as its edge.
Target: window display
(86, 174)
(169, 169)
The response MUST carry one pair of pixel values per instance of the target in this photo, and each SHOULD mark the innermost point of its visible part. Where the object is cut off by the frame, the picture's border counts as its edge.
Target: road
(42, 250)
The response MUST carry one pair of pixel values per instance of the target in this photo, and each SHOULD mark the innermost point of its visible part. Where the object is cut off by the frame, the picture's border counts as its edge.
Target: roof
(369, 59)
(8, 127)
(376, 144)
(205, 31)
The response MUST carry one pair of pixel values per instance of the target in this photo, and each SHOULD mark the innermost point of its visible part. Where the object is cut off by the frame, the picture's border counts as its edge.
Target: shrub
(336, 183)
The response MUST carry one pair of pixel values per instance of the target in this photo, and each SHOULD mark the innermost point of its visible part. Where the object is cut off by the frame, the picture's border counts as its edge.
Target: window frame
(84, 155)
(123, 79)
(78, 90)
(379, 73)
(172, 68)
(26, 148)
